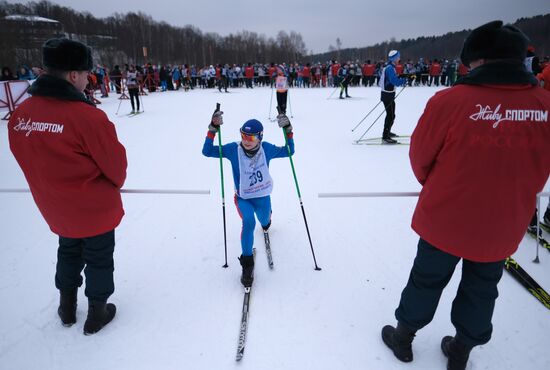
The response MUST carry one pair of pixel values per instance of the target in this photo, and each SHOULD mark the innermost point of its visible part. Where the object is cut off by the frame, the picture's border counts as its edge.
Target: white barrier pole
(368, 195)
(128, 191)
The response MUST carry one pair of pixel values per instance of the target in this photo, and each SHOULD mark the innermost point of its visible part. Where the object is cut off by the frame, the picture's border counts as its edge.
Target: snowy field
(179, 309)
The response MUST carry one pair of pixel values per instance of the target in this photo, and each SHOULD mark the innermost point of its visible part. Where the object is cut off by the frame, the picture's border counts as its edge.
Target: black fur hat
(494, 41)
(67, 55)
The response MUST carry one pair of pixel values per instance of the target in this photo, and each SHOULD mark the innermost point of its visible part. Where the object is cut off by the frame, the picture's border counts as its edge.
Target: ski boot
(247, 277)
(99, 315)
(399, 340)
(388, 140)
(67, 307)
(456, 352)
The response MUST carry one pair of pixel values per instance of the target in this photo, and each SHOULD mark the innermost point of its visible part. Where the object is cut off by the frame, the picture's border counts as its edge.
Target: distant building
(22, 36)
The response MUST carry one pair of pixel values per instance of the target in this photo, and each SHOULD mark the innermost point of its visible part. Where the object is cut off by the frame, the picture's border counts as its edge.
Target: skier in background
(133, 88)
(388, 82)
(253, 183)
(345, 76)
(454, 152)
(281, 86)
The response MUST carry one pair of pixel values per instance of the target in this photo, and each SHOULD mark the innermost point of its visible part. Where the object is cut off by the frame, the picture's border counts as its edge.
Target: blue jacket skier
(253, 183)
(388, 81)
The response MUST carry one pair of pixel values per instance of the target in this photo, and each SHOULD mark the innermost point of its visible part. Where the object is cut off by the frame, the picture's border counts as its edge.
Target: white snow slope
(179, 309)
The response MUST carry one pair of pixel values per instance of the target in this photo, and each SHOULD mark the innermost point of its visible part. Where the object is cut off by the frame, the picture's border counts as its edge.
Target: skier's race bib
(280, 84)
(255, 179)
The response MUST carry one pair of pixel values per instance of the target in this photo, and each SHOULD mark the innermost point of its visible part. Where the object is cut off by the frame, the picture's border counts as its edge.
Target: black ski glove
(216, 121)
(284, 122)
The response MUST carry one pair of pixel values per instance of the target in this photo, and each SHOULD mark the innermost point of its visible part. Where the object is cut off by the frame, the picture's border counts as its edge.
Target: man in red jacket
(75, 166)
(480, 152)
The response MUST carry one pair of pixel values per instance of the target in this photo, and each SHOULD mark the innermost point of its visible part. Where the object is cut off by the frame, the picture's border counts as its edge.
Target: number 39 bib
(255, 179)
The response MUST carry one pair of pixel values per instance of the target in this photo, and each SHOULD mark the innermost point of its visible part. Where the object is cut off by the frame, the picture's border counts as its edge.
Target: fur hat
(393, 55)
(67, 55)
(494, 40)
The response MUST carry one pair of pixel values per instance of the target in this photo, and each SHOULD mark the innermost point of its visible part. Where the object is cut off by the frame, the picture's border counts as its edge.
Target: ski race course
(179, 309)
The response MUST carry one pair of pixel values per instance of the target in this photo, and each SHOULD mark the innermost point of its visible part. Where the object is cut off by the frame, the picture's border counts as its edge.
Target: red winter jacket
(368, 69)
(462, 70)
(435, 69)
(249, 72)
(399, 69)
(480, 171)
(335, 67)
(73, 162)
(545, 76)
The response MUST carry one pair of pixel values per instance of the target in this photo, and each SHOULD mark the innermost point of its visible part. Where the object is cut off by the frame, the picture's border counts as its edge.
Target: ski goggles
(251, 138)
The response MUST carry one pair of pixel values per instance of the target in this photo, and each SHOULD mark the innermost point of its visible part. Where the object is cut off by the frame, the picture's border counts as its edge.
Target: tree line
(447, 46)
(122, 38)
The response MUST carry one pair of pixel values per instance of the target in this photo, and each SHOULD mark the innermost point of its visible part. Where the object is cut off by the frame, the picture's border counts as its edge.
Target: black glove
(284, 122)
(216, 121)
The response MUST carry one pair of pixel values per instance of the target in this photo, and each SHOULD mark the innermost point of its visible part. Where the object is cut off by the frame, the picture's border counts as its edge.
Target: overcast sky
(357, 23)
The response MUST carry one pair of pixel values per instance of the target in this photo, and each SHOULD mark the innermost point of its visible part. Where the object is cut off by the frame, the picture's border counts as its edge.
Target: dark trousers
(344, 88)
(281, 100)
(134, 94)
(389, 105)
(223, 83)
(95, 256)
(473, 306)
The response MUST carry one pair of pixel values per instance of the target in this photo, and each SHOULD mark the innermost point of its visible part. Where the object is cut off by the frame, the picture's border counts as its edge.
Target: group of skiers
(435, 72)
(466, 162)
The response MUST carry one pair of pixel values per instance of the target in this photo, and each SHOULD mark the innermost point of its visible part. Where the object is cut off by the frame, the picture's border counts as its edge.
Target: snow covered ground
(179, 309)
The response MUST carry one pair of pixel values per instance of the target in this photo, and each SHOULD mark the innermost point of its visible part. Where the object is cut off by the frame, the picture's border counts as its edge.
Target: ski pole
(289, 104)
(223, 191)
(368, 114)
(380, 115)
(317, 268)
(270, 104)
(537, 235)
(141, 101)
(372, 124)
(119, 103)
(333, 91)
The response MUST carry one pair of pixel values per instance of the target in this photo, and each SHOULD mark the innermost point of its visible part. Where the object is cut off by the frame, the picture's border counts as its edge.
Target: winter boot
(399, 340)
(247, 262)
(67, 307)
(393, 135)
(456, 352)
(99, 315)
(388, 140)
